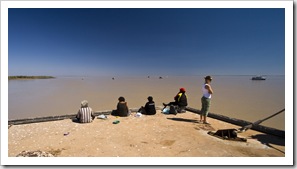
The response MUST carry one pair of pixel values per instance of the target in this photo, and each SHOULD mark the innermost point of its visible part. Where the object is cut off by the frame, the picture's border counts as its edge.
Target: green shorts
(205, 106)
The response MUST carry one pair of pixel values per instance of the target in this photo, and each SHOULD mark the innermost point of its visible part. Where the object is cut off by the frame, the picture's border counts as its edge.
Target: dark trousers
(179, 109)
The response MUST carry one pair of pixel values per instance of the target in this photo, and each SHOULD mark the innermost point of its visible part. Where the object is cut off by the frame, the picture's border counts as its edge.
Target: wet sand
(147, 136)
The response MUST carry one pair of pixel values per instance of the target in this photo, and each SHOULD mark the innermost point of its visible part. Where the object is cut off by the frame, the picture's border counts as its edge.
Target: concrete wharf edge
(239, 122)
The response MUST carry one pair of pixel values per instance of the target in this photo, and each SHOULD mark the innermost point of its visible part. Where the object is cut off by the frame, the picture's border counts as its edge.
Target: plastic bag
(138, 114)
(102, 116)
(166, 111)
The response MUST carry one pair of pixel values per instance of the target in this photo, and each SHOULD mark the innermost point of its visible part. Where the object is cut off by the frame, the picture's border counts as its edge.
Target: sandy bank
(147, 136)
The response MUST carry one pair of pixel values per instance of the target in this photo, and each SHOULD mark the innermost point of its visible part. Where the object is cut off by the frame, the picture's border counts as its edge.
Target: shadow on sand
(75, 120)
(184, 120)
(270, 141)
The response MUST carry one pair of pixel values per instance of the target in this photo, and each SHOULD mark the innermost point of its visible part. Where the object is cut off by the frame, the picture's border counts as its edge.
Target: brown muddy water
(234, 96)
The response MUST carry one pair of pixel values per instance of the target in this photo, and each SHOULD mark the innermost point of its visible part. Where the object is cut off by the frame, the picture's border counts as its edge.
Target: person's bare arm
(128, 111)
(127, 106)
(208, 87)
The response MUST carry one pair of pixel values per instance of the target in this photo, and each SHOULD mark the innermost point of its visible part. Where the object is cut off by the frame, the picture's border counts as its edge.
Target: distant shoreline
(29, 77)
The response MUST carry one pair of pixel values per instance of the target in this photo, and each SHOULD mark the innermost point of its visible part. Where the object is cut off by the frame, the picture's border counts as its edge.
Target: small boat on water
(258, 78)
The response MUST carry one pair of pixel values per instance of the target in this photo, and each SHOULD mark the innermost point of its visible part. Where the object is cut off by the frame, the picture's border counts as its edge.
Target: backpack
(172, 110)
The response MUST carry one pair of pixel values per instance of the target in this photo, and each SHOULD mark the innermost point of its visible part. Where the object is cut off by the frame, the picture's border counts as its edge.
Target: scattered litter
(138, 114)
(116, 122)
(102, 116)
(66, 134)
(165, 111)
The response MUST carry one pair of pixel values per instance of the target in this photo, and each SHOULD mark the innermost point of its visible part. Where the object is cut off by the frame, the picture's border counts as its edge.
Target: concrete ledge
(239, 122)
(62, 117)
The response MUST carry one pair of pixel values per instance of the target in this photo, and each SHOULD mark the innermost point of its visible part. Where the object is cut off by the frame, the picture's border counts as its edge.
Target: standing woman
(205, 100)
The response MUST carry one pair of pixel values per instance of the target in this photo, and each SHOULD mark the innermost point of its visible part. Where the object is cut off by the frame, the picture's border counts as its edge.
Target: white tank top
(205, 92)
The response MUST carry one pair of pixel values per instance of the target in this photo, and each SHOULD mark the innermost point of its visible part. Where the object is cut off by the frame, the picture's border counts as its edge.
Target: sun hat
(182, 89)
(84, 103)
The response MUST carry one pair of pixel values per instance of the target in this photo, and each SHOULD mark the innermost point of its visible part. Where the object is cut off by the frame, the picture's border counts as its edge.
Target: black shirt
(181, 100)
(150, 108)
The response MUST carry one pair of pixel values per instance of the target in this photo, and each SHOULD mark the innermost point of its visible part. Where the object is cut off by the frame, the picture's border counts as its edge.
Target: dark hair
(121, 99)
(208, 78)
(150, 98)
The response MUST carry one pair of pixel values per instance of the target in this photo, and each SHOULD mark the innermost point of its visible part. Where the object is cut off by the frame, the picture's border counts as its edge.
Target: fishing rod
(249, 126)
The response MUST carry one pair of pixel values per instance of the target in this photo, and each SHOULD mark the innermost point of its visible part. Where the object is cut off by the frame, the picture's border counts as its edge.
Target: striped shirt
(85, 115)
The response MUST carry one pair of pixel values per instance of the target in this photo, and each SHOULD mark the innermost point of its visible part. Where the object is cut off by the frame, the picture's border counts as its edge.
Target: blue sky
(117, 42)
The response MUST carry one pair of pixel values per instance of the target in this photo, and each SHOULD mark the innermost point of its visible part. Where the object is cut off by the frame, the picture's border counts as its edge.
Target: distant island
(29, 77)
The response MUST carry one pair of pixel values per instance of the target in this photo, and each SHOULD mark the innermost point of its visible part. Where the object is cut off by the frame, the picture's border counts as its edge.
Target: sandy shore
(147, 136)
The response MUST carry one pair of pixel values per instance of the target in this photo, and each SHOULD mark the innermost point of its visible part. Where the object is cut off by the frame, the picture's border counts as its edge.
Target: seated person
(180, 101)
(122, 108)
(85, 113)
(149, 108)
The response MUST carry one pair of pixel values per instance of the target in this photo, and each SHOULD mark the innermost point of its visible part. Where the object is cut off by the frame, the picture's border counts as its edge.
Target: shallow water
(234, 96)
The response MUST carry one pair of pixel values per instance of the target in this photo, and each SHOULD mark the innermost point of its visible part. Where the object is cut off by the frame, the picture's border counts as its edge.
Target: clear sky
(146, 41)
